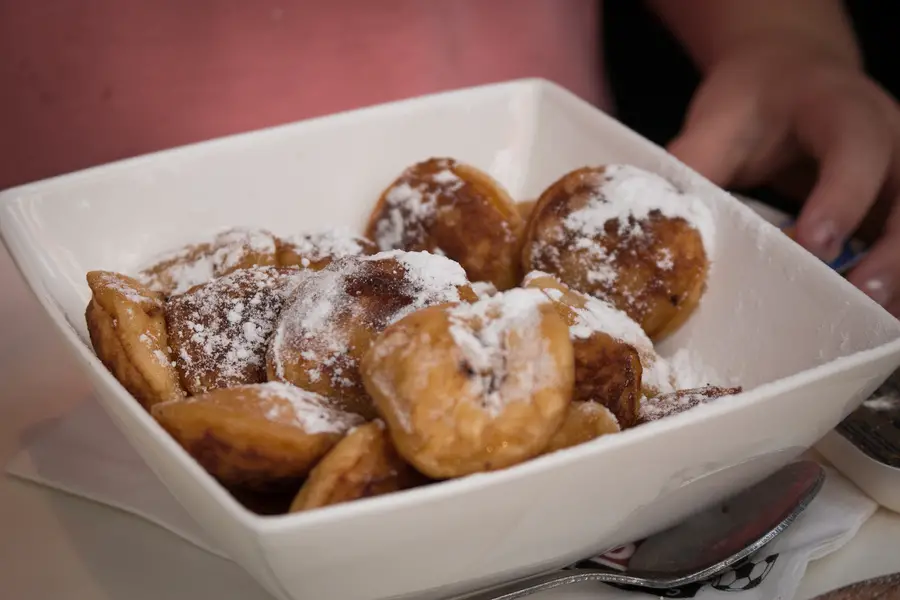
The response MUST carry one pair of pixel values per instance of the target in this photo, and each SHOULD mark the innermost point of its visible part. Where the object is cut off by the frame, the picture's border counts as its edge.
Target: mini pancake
(362, 465)
(334, 314)
(127, 327)
(219, 331)
(263, 437)
(673, 403)
(476, 387)
(316, 250)
(627, 236)
(615, 361)
(453, 209)
(237, 248)
(585, 421)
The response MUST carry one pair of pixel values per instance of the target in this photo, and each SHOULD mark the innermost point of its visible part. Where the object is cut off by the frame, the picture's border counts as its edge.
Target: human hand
(815, 129)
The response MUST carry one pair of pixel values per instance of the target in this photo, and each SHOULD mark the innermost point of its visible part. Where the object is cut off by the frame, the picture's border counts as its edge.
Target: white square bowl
(804, 343)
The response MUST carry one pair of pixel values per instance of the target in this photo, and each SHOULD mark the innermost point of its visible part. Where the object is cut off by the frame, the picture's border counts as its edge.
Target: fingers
(878, 274)
(854, 148)
(719, 135)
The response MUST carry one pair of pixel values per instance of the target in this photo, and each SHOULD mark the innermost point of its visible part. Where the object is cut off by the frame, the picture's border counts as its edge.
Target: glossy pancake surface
(453, 209)
(615, 362)
(627, 236)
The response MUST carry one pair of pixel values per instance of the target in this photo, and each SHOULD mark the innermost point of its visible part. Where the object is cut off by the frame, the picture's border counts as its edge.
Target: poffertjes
(235, 248)
(584, 422)
(334, 314)
(455, 210)
(627, 236)
(477, 387)
(615, 361)
(607, 370)
(264, 436)
(219, 330)
(673, 403)
(316, 250)
(460, 333)
(362, 465)
(127, 327)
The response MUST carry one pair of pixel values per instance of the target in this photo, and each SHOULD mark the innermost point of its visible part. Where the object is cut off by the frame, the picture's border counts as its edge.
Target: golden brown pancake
(615, 361)
(258, 437)
(334, 314)
(453, 209)
(316, 250)
(473, 387)
(626, 236)
(219, 331)
(127, 327)
(362, 465)
(584, 422)
(236, 248)
(673, 403)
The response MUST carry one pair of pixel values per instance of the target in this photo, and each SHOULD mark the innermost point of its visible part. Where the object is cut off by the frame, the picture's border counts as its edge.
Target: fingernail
(878, 289)
(825, 241)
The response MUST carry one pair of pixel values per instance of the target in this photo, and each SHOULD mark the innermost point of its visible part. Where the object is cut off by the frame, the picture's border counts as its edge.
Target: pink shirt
(83, 82)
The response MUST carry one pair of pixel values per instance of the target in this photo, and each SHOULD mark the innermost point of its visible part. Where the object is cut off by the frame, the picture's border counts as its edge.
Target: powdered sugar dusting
(185, 272)
(411, 204)
(369, 292)
(177, 272)
(664, 260)
(690, 371)
(596, 315)
(123, 287)
(607, 221)
(628, 195)
(325, 244)
(219, 331)
(232, 246)
(152, 343)
(666, 405)
(484, 289)
(595, 408)
(482, 333)
(430, 279)
(597, 262)
(311, 412)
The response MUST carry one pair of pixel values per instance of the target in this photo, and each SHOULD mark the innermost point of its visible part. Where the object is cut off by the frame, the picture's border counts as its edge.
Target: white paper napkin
(84, 454)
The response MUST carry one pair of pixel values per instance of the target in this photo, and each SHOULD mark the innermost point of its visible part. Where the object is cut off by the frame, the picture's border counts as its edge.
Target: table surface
(56, 545)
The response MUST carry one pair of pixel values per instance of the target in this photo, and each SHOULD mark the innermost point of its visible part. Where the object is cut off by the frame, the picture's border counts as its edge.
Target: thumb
(717, 139)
